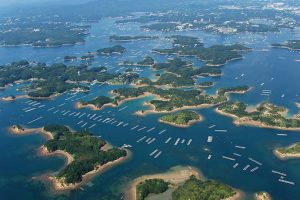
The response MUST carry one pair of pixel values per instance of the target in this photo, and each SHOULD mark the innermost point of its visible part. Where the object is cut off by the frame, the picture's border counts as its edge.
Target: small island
(117, 49)
(126, 38)
(293, 45)
(262, 196)
(292, 151)
(183, 118)
(85, 152)
(264, 115)
(147, 62)
(180, 183)
(97, 103)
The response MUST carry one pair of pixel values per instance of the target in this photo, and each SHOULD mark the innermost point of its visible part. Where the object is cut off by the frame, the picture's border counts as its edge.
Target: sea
(263, 68)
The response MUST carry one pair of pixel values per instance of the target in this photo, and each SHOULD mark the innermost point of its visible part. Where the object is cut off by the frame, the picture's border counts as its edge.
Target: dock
(228, 158)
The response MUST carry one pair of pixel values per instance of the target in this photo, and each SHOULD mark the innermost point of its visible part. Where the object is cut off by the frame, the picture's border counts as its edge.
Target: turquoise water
(276, 68)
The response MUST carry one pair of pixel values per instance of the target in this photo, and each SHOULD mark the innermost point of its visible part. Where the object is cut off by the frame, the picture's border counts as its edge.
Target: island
(117, 49)
(147, 62)
(292, 151)
(170, 100)
(126, 38)
(265, 115)
(206, 84)
(42, 34)
(183, 118)
(86, 153)
(47, 81)
(97, 103)
(216, 55)
(180, 183)
(262, 196)
(150, 186)
(194, 189)
(293, 45)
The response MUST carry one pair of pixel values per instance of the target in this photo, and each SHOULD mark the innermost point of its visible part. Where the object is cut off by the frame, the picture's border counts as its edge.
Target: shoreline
(249, 122)
(189, 124)
(58, 184)
(286, 156)
(153, 111)
(79, 105)
(175, 176)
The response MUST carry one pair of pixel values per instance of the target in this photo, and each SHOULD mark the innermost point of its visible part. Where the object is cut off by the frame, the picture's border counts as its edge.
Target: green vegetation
(84, 147)
(150, 186)
(98, 101)
(117, 49)
(290, 44)
(180, 118)
(123, 38)
(215, 55)
(238, 89)
(294, 149)
(266, 113)
(148, 61)
(194, 189)
(57, 78)
(172, 98)
(39, 34)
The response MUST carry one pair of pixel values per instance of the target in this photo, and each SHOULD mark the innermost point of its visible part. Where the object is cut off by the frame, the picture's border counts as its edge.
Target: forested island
(183, 118)
(97, 103)
(42, 34)
(148, 61)
(169, 100)
(86, 152)
(216, 55)
(51, 80)
(179, 73)
(183, 183)
(290, 44)
(292, 151)
(264, 115)
(126, 38)
(195, 189)
(117, 49)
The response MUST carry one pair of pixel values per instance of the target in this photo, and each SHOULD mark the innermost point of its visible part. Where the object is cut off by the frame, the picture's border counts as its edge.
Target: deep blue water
(276, 68)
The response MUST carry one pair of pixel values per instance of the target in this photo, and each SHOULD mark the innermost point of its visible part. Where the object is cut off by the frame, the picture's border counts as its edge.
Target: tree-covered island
(87, 155)
(117, 49)
(183, 118)
(216, 55)
(264, 115)
(51, 80)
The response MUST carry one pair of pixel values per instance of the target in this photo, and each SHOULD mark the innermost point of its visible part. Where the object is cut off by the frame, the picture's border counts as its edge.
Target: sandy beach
(175, 176)
(262, 196)
(285, 156)
(60, 185)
